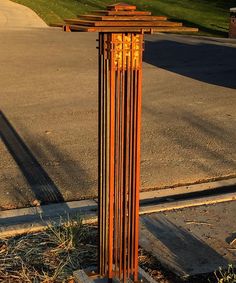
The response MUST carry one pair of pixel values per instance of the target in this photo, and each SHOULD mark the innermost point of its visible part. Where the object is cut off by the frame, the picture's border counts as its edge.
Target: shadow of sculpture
(177, 248)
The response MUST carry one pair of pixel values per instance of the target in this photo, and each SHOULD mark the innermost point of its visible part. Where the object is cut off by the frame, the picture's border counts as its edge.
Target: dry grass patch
(49, 256)
(52, 255)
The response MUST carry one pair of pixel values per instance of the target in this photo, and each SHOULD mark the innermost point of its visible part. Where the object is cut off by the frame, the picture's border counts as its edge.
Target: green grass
(210, 16)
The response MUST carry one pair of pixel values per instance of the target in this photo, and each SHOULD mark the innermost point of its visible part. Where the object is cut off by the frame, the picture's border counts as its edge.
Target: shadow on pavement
(203, 141)
(65, 179)
(68, 173)
(43, 187)
(40, 183)
(213, 64)
(178, 248)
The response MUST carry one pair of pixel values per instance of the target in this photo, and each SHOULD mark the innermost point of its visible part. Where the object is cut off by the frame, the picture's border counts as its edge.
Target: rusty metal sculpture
(121, 28)
(120, 113)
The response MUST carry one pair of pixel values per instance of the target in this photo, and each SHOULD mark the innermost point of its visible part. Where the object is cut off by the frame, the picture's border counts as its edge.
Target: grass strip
(210, 16)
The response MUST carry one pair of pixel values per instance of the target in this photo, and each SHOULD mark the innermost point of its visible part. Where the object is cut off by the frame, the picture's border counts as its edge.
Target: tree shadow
(209, 63)
(176, 248)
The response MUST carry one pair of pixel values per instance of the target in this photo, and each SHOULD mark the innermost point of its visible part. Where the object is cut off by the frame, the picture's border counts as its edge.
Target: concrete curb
(189, 189)
(34, 219)
(187, 203)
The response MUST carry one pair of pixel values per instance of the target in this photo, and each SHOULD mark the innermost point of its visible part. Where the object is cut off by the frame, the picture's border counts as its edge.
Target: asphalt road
(48, 120)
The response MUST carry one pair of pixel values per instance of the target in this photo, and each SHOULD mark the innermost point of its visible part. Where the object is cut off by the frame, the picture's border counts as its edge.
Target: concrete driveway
(15, 16)
(48, 120)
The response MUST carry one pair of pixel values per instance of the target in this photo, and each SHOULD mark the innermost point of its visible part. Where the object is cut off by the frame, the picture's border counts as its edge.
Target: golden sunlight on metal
(121, 33)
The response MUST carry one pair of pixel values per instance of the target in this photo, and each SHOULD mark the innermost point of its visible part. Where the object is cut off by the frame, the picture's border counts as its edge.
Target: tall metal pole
(120, 90)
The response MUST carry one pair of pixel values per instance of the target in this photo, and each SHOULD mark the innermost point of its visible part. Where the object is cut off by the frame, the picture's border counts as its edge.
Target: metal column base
(81, 276)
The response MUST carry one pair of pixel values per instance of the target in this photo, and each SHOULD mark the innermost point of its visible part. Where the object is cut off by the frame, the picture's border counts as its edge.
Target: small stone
(36, 202)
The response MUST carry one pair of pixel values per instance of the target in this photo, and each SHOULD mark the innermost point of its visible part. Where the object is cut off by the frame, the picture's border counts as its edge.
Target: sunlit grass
(49, 256)
(211, 17)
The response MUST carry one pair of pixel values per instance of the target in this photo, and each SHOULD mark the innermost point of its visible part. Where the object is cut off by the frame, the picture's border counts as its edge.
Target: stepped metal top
(122, 17)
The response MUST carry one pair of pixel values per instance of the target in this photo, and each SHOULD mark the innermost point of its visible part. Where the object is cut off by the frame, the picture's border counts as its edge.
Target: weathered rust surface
(128, 29)
(123, 17)
(121, 7)
(117, 23)
(121, 36)
(122, 13)
(120, 84)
